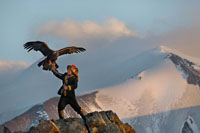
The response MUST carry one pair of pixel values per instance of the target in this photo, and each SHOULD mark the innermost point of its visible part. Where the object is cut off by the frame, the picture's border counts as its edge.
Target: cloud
(12, 65)
(184, 38)
(10, 69)
(88, 31)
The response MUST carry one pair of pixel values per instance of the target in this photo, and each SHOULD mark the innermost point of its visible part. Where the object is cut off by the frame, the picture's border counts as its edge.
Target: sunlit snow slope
(150, 100)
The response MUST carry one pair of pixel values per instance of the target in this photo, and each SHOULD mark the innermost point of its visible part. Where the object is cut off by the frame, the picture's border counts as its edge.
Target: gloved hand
(51, 66)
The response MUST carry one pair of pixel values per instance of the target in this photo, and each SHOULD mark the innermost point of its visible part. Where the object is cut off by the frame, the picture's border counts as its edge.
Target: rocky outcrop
(99, 122)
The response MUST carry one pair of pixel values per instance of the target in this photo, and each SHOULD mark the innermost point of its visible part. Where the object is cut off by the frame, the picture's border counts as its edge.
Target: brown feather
(70, 50)
(38, 45)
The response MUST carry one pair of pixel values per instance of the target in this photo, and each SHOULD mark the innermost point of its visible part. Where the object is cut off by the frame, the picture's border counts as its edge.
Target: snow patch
(42, 114)
(189, 126)
(196, 67)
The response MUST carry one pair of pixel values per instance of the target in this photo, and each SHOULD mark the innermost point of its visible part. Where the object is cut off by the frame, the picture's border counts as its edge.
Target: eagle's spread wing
(38, 45)
(70, 50)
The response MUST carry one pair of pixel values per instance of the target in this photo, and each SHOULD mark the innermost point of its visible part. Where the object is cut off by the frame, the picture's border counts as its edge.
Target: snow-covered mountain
(158, 100)
(156, 91)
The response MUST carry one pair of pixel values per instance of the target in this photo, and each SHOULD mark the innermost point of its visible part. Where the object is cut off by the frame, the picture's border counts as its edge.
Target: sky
(96, 24)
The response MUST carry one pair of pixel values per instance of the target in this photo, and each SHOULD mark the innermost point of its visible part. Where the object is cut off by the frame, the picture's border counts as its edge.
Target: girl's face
(69, 72)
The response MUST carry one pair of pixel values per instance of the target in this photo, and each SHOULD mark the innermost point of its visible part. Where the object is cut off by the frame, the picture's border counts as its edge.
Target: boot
(86, 123)
(83, 113)
(61, 114)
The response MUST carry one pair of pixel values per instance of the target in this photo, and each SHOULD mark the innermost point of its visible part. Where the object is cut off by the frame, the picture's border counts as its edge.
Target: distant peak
(165, 49)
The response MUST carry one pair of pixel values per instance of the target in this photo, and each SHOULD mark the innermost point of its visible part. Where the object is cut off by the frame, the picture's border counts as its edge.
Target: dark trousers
(72, 102)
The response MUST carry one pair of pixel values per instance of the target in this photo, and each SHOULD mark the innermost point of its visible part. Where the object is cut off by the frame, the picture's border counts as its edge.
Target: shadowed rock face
(193, 75)
(99, 122)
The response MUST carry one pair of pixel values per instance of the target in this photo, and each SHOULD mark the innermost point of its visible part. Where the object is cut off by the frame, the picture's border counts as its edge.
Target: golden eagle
(51, 55)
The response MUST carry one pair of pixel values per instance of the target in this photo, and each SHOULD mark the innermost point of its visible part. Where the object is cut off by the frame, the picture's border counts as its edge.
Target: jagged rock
(45, 126)
(95, 119)
(193, 75)
(99, 122)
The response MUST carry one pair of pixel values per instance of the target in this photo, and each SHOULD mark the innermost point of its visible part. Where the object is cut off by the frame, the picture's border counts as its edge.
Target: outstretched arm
(57, 74)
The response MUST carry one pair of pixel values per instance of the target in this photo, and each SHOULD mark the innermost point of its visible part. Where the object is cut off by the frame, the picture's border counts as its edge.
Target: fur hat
(74, 70)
